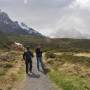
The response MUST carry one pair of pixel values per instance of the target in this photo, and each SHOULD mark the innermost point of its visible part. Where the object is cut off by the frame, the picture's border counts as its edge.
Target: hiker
(39, 58)
(27, 56)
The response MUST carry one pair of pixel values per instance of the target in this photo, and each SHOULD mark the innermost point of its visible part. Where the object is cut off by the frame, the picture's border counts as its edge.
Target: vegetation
(70, 72)
(11, 69)
(48, 44)
(67, 82)
(50, 55)
(4, 41)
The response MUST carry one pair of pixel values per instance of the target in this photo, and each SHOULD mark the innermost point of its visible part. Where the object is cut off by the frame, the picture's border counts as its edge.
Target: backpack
(28, 56)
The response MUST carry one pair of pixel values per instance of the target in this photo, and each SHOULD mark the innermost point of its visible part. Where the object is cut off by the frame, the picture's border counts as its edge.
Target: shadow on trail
(33, 75)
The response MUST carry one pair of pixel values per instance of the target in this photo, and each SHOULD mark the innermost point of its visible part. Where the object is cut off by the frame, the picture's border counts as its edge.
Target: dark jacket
(27, 56)
(38, 52)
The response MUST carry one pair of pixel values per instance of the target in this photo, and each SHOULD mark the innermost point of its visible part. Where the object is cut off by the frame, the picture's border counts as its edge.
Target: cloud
(48, 16)
(25, 1)
(75, 17)
(81, 4)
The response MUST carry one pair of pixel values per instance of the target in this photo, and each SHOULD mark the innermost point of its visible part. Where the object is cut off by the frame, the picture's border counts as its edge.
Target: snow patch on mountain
(24, 26)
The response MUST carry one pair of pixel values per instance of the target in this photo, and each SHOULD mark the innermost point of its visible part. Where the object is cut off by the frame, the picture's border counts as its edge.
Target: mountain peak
(14, 27)
(4, 17)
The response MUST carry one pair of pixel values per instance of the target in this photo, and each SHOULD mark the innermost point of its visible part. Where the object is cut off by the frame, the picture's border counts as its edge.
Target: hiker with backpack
(27, 56)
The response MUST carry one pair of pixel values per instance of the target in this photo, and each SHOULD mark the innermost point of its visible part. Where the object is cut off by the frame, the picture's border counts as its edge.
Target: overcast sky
(49, 16)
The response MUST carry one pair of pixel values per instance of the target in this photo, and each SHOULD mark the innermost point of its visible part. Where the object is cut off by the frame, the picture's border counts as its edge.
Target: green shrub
(50, 55)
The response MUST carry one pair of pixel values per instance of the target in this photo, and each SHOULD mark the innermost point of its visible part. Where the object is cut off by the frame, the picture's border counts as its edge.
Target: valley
(67, 60)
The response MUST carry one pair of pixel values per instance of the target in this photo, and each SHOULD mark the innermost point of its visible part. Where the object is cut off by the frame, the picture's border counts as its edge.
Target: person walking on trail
(39, 58)
(27, 56)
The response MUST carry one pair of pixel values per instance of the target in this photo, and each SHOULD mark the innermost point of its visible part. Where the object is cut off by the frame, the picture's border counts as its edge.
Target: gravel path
(37, 81)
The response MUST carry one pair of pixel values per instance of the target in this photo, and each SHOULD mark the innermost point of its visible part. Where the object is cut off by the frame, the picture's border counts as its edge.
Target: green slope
(4, 41)
(56, 44)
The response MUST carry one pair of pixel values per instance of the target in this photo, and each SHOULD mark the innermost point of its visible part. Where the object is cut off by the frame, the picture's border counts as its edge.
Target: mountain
(14, 27)
(30, 30)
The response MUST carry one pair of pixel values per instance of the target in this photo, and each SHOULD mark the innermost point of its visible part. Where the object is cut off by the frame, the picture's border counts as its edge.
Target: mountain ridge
(14, 27)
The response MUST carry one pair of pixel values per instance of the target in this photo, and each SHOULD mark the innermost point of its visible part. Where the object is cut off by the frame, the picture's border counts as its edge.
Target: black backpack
(28, 55)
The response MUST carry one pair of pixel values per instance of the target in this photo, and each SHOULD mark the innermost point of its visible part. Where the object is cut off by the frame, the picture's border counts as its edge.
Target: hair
(27, 48)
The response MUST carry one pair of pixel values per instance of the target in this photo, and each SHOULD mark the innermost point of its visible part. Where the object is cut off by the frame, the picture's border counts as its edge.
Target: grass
(68, 82)
(50, 55)
(75, 59)
(11, 70)
(2, 71)
(19, 75)
(68, 58)
(4, 67)
(70, 72)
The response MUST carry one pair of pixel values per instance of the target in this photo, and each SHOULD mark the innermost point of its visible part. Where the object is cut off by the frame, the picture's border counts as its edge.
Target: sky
(50, 16)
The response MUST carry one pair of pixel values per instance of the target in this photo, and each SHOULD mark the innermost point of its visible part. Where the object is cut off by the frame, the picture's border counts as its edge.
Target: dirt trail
(37, 81)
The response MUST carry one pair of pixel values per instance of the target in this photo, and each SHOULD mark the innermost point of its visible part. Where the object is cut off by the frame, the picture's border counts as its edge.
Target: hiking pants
(28, 66)
(39, 62)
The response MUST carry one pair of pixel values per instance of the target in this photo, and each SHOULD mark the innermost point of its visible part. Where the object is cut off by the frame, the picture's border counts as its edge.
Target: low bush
(50, 55)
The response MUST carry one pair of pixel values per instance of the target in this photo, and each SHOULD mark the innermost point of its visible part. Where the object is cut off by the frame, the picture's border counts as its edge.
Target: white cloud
(76, 17)
(81, 4)
(25, 1)
(47, 16)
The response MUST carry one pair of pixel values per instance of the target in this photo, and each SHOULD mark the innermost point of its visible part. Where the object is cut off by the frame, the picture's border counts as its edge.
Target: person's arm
(32, 54)
(41, 51)
(36, 50)
(24, 56)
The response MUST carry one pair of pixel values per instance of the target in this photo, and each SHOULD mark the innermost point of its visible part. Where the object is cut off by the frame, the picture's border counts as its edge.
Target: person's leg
(38, 63)
(42, 65)
(31, 66)
(26, 68)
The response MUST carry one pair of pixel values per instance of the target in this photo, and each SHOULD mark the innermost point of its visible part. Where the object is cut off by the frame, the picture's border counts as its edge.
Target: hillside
(4, 41)
(66, 44)
(59, 44)
(11, 30)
